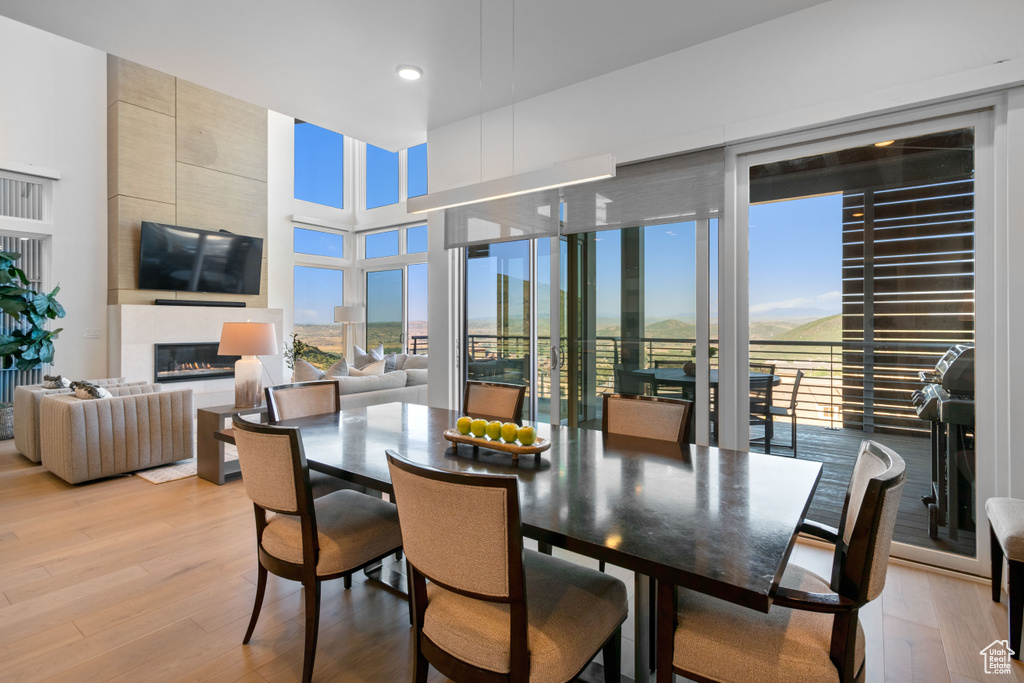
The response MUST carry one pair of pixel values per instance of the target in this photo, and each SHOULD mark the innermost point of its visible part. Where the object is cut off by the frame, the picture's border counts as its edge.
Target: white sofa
(405, 386)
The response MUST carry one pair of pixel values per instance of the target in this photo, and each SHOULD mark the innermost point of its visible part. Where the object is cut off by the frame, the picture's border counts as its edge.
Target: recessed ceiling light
(884, 143)
(409, 72)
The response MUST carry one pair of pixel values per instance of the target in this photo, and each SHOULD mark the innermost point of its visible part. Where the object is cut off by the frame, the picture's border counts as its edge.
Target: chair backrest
(867, 522)
(461, 531)
(273, 466)
(628, 382)
(796, 388)
(651, 417)
(494, 401)
(760, 387)
(288, 401)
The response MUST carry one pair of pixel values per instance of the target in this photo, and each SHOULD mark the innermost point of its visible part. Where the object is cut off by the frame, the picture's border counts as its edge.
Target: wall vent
(21, 198)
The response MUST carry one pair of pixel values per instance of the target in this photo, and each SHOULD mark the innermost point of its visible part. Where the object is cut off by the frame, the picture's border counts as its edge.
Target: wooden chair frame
(274, 410)
(851, 568)
(1015, 590)
(517, 409)
(427, 653)
(304, 573)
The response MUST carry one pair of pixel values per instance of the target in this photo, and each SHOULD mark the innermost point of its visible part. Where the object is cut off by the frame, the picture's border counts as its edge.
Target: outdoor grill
(946, 400)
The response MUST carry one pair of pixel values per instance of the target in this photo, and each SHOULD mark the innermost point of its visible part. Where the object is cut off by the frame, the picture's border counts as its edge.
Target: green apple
(494, 429)
(478, 427)
(510, 431)
(463, 424)
(527, 435)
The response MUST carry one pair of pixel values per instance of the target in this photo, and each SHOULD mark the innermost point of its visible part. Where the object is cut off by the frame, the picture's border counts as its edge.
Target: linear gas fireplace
(190, 362)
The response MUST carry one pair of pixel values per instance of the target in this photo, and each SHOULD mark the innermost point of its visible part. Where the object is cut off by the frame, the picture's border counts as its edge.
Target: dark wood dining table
(717, 521)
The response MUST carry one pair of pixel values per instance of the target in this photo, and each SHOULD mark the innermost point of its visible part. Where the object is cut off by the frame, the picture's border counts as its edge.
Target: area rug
(179, 470)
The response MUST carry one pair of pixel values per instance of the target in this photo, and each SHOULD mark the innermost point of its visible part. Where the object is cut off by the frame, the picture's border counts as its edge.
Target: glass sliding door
(861, 278)
(384, 306)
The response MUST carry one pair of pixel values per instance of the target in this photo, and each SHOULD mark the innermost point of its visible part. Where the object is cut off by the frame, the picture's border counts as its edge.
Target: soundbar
(195, 302)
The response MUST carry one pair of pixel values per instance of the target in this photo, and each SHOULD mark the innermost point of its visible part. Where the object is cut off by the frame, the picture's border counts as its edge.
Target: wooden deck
(836, 449)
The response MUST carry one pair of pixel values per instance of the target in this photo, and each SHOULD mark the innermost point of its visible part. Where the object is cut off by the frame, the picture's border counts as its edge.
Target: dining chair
(812, 631)
(302, 399)
(651, 417)
(493, 611)
(761, 401)
(673, 390)
(494, 401)
(306, 540)
(628, 382)
(787, 411)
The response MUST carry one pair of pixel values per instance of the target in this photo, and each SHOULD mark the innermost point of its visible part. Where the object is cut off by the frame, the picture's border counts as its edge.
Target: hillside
(822, 329)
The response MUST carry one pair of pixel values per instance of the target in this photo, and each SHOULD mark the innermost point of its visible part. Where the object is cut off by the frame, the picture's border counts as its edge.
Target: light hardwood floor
(123, 580)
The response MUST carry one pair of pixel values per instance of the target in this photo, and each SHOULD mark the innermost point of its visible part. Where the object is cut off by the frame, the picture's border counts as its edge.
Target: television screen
(191, 260)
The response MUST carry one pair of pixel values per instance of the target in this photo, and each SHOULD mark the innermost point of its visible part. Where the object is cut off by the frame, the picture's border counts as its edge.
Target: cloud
(798, 302)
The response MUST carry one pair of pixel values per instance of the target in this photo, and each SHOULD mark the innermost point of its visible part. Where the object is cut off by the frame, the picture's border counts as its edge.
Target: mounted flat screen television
(191, 260)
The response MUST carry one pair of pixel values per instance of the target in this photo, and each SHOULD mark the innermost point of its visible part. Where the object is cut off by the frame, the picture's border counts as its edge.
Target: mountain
(829, 328)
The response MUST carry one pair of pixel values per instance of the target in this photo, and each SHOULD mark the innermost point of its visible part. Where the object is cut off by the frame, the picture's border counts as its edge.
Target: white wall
(834, 61)
(53, 114)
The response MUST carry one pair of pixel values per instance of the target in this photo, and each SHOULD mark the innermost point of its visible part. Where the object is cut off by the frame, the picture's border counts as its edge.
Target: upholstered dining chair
(494, 401)
(493, 611)
(812, 632)
(305, 540)
(302, 399)
(660, 418)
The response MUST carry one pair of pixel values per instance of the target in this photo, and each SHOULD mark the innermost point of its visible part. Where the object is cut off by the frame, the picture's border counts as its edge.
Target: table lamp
(350, 315)
(248, 340)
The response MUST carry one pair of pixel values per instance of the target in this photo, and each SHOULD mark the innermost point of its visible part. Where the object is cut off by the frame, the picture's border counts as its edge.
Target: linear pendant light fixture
(559, 175)
(571, 173)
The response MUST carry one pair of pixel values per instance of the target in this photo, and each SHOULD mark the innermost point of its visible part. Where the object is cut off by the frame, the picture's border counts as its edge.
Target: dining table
(717, 521)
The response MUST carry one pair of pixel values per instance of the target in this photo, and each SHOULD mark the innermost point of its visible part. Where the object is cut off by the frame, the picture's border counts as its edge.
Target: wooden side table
(210, 463)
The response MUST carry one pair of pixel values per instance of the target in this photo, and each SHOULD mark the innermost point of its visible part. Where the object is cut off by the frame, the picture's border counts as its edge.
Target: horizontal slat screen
(908, 291)
(21, 199)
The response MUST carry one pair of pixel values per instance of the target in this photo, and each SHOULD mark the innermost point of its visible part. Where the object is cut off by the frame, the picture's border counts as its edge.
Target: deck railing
(849, 384)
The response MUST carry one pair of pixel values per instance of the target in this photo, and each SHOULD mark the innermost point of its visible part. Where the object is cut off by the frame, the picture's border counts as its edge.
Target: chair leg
(612, 656)
(543, 547)
(996, 553)
(1016, 608)
(600, 566)
(652, 625)
(348, 581)
(420, 665)
(398, 555)
(769, 432)
(312, 596)
(261, 589)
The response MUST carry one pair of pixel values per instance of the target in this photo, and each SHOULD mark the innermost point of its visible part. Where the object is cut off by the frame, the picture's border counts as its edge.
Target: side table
(210, 463)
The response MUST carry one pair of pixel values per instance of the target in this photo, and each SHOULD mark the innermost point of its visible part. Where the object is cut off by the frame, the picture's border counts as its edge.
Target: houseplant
(29, 344)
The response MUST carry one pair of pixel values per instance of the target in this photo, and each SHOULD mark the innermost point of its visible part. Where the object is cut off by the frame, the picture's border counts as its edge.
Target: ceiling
(332, 62)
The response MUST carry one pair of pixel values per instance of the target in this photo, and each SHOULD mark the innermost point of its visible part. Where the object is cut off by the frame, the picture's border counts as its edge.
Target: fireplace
(191, 362)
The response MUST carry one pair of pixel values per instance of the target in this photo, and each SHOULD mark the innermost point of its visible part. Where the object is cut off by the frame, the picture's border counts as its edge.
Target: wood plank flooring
(122, 580)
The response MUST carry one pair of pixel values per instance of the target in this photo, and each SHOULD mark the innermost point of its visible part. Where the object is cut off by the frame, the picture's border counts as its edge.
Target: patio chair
(761, 401)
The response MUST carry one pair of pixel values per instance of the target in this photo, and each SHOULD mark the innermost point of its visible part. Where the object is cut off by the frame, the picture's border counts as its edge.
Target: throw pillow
(364, 358)
(415, 362)
(55, 382)
(389, 363)
(339, 369)
(85, 390)
(305, 372)
(375, 368)
(400, 361)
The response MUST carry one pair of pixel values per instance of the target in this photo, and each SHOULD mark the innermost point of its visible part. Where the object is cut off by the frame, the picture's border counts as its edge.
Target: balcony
(850, 391)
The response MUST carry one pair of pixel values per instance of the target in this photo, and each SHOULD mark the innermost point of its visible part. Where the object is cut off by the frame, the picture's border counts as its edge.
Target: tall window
(396, 294)
(317, 292)
(416, 160)
(381, 177)
(318, 243)
(319, 165)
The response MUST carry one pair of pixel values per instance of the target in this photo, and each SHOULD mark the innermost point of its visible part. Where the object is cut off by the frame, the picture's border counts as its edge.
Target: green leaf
(46, 353)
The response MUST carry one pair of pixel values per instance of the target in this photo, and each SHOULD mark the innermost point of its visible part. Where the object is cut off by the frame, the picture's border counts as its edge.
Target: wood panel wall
(182, 154)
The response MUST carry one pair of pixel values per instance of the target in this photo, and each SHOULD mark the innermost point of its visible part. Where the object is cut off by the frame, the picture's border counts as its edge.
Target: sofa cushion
(390, 362)
(305, 372)
(356, 385)
(339, 369)
(416, 377)
(375, 368)
(362, 358)
(415, 362)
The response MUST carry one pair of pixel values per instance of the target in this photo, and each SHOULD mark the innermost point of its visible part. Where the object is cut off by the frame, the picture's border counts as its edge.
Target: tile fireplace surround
(134, 330)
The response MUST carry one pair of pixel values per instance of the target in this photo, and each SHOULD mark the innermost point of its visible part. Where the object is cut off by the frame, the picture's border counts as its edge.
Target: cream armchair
(88, 439)
(26, 411)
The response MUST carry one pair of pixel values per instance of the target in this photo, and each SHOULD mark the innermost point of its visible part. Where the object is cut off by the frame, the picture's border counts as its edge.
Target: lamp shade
(349, 314)
(248, 339)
